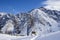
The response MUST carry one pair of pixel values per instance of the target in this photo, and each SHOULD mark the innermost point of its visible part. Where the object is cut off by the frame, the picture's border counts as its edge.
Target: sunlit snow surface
(51, 36)
(9, 37)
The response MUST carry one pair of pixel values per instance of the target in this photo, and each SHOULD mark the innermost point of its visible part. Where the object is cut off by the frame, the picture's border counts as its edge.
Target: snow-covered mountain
(43, 23)
(35, 22)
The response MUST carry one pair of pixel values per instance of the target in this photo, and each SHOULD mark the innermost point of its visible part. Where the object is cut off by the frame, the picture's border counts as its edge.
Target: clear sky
(15, 6)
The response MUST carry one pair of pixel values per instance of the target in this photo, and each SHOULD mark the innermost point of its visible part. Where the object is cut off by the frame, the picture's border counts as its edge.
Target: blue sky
(15, 6)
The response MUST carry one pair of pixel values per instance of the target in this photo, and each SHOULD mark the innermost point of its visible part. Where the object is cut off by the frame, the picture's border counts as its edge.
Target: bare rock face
(24, 24)
(19, 24)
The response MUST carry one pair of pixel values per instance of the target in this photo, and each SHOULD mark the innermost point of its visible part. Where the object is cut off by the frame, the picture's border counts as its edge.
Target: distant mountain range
(35, 22)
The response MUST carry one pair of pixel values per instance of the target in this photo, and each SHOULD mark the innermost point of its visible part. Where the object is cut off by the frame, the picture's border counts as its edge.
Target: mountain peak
(36, 22)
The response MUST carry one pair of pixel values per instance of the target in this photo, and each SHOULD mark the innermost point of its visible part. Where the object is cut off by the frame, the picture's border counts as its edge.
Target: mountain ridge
(35, 22)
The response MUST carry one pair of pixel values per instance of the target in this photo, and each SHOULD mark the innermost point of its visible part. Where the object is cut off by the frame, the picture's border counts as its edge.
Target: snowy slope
(9, 37)
(43, 23)
(51, 36)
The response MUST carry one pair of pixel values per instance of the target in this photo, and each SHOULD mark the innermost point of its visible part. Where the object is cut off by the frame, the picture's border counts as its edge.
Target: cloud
(52, 4)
